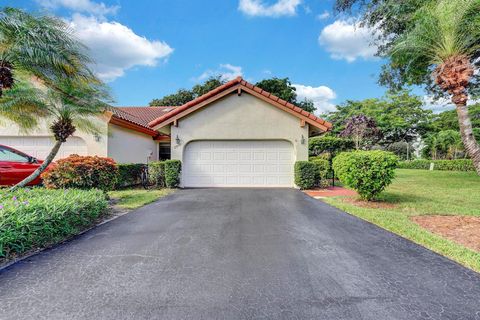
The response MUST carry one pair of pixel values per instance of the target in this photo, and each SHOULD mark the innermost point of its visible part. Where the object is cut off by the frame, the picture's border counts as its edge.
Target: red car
(16, 166)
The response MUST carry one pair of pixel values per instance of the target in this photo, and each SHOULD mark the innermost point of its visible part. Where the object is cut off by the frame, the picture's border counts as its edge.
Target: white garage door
(238, 164)
(39, 147)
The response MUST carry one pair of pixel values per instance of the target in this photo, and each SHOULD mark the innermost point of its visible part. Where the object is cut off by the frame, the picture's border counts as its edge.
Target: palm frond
(443, 29)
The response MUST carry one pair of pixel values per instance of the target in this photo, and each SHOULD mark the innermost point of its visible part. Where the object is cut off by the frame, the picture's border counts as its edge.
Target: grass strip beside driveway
(421, 192)
(136, 198)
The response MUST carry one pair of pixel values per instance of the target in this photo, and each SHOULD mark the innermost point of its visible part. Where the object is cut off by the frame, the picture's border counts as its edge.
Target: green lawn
(135, 198)
(421, 192)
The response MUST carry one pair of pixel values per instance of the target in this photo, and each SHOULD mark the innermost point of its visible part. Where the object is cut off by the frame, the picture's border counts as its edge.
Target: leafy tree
(183, 96)
(362, 130)
(211, 83)
(399, 116)
(283, 88)
(448, 120)
(178, 98)
(307, 105)
(69, 109)
(329, 144)
(434, 43)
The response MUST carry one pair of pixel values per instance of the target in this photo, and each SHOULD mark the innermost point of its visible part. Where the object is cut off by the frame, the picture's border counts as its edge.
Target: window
(12, 156)
(164, 152)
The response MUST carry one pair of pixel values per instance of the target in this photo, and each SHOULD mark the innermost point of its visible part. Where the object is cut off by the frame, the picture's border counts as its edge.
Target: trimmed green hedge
(173, 170)
(156, 173)
(444, 165)
(368, 172)
(306, 174)
(35, 218)
(128, 175)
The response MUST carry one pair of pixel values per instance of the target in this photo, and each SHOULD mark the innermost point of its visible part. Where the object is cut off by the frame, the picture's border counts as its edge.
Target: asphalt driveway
(238, 254)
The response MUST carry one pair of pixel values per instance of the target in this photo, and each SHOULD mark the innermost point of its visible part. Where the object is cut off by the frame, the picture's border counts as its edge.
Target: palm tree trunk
(40, 169)
(471, 145)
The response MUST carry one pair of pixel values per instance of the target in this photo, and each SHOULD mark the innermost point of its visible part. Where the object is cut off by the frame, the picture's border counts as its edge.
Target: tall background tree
(435, 43)
(282, 88)
(399, 116)
(362, 130)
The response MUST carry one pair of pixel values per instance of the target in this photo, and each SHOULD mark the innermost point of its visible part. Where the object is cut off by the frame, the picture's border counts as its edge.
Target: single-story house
(236, 135)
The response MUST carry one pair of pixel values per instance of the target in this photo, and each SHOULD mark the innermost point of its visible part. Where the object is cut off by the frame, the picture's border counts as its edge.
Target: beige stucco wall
(94, 147)
(128, 146)
(242, 117)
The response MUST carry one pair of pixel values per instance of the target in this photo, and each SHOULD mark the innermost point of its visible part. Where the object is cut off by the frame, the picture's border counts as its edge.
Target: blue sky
(148, 48)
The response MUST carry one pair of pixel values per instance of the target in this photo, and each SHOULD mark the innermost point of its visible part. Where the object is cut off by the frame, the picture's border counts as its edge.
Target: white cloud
(86, 6)
(323, 16)
(115, 47)
(258, 8)
(321, 96)
(226, 72)
(349, 41)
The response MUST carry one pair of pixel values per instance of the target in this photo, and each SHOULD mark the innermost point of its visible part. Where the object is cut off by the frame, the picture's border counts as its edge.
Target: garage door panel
(238, 164)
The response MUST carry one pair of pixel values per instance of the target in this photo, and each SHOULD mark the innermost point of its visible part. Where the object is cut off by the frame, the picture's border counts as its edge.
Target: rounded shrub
(306, 174)
(368, 172)
(82, 172)
(173, 170)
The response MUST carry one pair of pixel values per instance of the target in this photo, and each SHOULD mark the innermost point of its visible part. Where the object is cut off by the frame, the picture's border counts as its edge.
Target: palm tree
(446, 38)
(40, 46)
(74, 106)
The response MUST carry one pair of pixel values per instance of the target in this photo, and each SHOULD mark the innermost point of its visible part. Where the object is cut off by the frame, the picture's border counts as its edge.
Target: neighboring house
(236, 135)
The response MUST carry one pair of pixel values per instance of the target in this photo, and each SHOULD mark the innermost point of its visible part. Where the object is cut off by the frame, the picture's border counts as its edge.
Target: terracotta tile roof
(239, 82)
(146, 114)
(139, 117)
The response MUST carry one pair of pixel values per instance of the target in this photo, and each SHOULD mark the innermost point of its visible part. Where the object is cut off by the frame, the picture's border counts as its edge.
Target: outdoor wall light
(177, 140)
(302, 141)
(97, 137)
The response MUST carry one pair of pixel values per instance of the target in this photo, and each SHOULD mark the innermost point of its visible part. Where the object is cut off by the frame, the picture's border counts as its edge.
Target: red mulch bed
(464, 230)
(330, 192)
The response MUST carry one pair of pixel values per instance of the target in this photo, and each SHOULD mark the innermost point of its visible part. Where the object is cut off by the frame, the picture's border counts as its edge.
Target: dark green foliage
(330, 144)
(448, 120)
(128, 175)
(443, 165)
(284, 89)
(323, 167)
(306, 174)
(173, 170)
(281, 88)
(36, 218)
(156, 173)
(210, 84)
(179, 98)
(324, 172)
(368, 172)
(183, 96)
